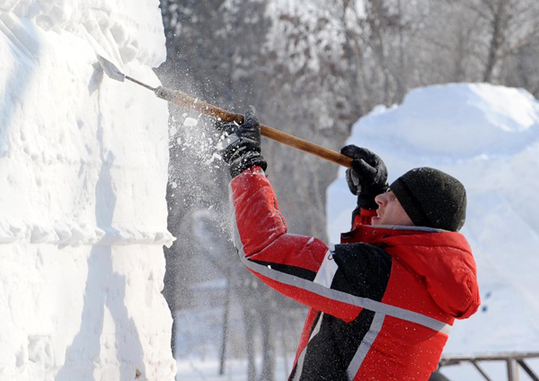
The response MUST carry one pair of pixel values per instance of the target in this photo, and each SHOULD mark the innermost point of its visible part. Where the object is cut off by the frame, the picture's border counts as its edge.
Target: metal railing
(514, 361)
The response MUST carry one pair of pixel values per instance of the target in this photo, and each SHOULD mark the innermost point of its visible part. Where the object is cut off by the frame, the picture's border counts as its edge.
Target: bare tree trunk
(225, 325)
(268, 343)
(497, 39)
(377, 19)
(248, 321)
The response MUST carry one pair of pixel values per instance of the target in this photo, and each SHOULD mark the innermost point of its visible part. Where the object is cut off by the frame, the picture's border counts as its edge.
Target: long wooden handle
(181, 99)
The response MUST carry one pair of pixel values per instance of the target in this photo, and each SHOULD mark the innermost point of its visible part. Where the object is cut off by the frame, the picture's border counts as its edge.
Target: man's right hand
(243, 142)
(368, 176)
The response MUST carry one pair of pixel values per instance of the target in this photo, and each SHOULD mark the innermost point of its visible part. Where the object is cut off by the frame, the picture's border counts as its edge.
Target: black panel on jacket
(330, 352)
(287, 269)
(363, 270)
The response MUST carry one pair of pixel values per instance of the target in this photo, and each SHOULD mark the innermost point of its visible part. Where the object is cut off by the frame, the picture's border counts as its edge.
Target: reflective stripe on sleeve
(327, 292)
(340, 296)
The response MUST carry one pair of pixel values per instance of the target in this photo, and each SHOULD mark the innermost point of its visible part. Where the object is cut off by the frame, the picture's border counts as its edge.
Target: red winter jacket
(382, 303)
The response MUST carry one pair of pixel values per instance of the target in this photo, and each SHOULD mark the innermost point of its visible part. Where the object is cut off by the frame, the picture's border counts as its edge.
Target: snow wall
(488, 137)
(83, 168)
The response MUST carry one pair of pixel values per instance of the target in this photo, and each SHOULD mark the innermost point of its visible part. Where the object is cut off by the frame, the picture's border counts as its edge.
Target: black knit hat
(431, 198)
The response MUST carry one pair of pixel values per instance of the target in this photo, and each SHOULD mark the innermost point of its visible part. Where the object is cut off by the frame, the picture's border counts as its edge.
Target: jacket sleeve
(299, 267)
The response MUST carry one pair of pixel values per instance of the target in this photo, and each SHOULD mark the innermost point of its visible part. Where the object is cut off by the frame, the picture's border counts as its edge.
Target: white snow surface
(83, 168)
(488, 137)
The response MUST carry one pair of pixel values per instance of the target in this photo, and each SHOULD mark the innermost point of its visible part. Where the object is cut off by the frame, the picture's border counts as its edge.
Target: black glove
(243, 143)
(368, 176)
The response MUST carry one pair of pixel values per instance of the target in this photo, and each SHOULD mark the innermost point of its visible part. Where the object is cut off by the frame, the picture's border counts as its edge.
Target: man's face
(390, 211)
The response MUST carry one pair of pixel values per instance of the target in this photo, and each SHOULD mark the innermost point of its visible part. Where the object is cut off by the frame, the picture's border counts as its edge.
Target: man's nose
(380, 199)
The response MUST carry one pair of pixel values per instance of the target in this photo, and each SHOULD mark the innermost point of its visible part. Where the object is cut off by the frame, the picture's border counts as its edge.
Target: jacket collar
(376, 233)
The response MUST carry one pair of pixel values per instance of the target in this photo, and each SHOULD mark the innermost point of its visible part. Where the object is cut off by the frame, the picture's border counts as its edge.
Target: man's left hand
(368, 176)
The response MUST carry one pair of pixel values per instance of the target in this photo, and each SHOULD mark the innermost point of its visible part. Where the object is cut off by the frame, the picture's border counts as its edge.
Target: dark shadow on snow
(104, 288)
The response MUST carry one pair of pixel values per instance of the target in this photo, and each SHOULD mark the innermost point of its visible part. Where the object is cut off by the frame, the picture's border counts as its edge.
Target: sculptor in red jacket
(383, 301)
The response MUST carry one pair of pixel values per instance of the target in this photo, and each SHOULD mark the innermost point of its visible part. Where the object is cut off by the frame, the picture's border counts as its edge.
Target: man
(383, 301)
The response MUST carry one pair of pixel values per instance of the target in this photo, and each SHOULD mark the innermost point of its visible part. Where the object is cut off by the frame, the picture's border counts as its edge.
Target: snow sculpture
(83, 168)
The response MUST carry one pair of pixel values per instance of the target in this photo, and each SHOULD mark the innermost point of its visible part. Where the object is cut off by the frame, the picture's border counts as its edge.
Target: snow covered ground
(83, 169)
